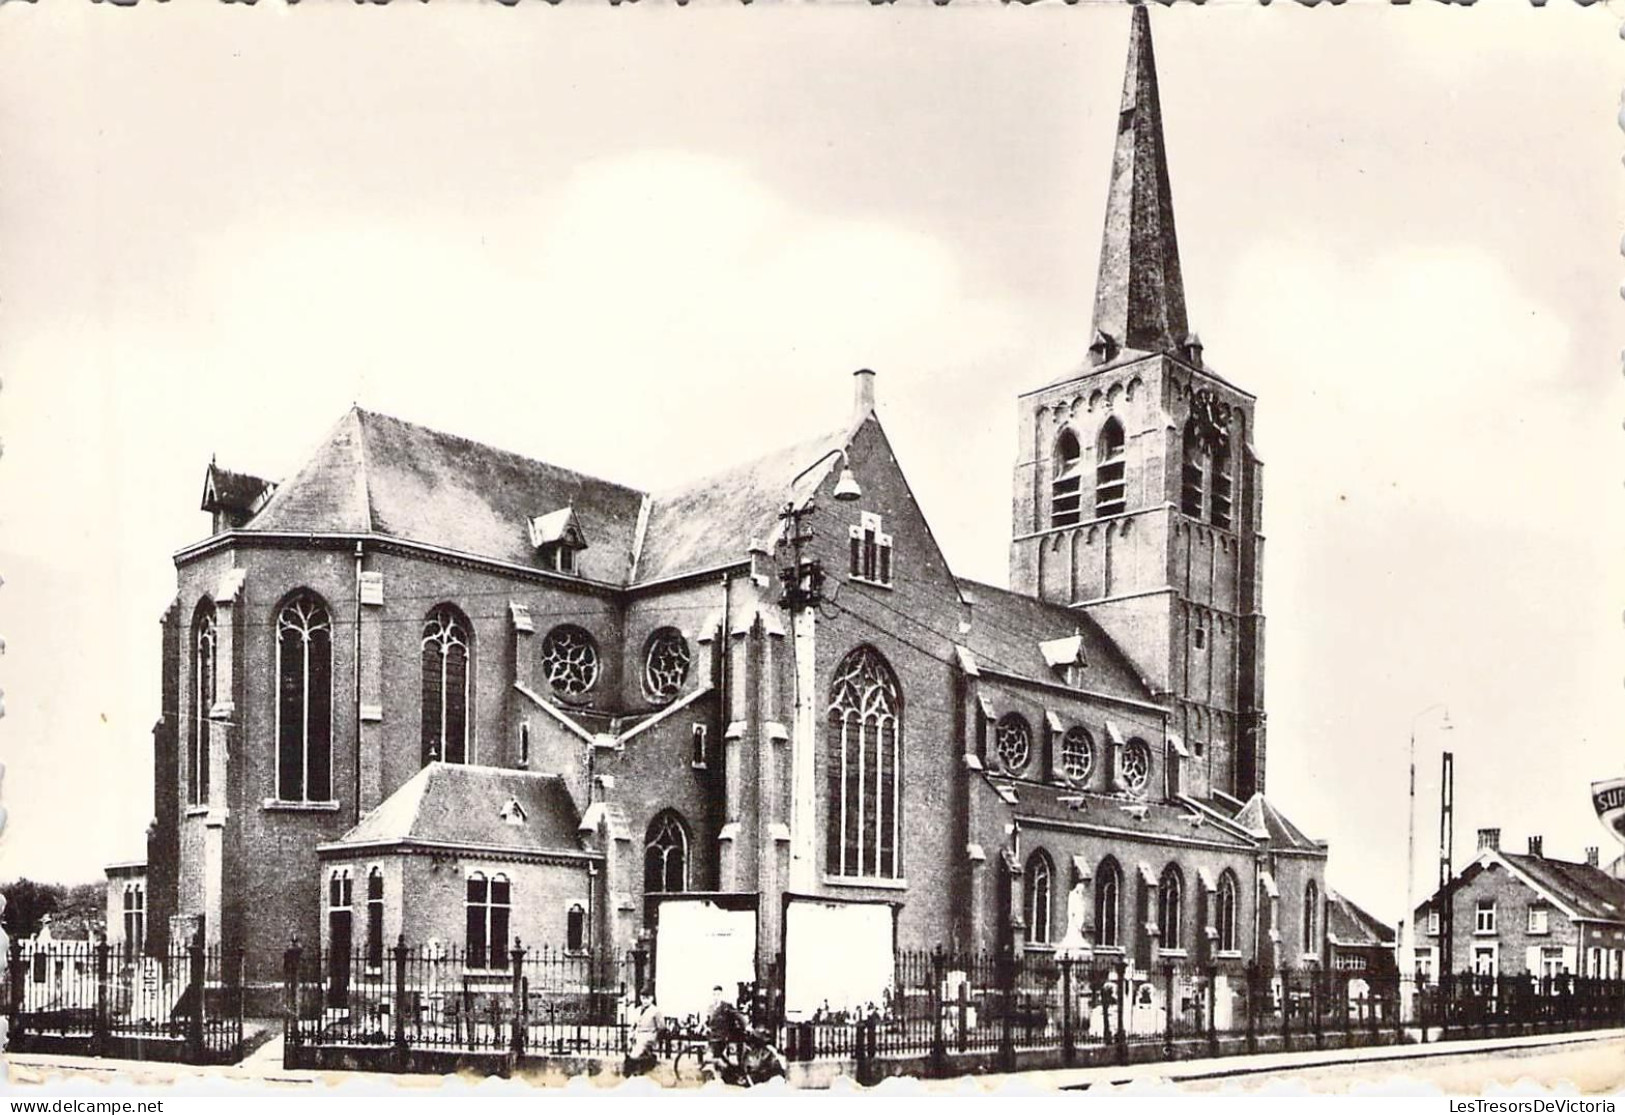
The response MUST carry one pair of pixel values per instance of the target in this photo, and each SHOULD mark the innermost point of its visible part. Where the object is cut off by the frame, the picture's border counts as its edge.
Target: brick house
(1526, 914)
(370, 666)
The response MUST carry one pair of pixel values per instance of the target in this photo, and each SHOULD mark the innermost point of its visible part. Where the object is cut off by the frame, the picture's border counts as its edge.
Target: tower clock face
(1210, 421)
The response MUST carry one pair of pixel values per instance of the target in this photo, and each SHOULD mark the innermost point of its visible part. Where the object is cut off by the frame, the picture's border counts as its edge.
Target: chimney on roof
(1591, 856)
(1489, 838)
(863, 394)
(1535, 843)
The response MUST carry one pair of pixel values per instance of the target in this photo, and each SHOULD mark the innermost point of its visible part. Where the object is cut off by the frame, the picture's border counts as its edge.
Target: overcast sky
(646, 242)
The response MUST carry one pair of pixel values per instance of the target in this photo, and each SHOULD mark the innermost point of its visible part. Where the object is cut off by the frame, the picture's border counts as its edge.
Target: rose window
(665, 668)
(1136, 766)
(1077, 755)
(1013, 741)
(570, 660)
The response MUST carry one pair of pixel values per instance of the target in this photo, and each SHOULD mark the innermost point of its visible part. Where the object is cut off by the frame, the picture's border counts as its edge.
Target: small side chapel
(429, 688)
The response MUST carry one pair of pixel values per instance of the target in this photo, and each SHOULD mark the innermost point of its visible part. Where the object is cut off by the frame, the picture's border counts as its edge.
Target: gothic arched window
(865, 754)
(205, 660)
(1108, 904)
(1223, 484)
(1311, 917)
(1224, 913)
(1171, 908)
(1111, 471)
(1194, 477)
(448, 670)
(375, 918)
(665, 855)
(304, 702)
(1066, 494)
(1040, 897)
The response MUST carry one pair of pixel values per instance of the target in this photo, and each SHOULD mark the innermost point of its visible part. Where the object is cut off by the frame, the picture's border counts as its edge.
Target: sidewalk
(264, 1066)
(1210, 1068)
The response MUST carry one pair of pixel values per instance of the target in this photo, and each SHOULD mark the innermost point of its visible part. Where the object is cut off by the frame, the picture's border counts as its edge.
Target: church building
(428, 688)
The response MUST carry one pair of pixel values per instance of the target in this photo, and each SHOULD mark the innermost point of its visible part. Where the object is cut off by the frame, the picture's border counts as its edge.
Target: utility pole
(1447, 830)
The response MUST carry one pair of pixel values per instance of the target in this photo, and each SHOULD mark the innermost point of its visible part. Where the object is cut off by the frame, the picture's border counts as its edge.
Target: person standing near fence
(646, 1026)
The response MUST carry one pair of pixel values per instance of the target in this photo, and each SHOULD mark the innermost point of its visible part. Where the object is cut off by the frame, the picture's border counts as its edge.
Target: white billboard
(699, 945)
(837, 956)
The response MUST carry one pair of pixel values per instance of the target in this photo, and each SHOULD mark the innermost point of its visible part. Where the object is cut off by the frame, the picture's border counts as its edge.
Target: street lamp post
(1407, 936)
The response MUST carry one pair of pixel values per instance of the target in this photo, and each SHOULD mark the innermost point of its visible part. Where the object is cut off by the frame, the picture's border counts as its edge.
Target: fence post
(16, 989)
(290, 991)
(520, 1006)
(1122, 1008)
(1286, 1011)
(939, 1046)
(1252, 1006)
(399, 957)
(1315, 1003)
(1067, 1047)
(1168, 1010)
(99, 1026)
(1212, 1009)
(194, 1024)
(1006, 973)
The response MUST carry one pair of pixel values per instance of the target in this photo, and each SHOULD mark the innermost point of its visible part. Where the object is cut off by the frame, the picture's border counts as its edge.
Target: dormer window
(513, 813)
(1065, 657)
(558, 540)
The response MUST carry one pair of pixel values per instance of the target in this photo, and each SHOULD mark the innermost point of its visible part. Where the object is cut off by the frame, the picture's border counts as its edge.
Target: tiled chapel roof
(460, 805)
(1261, 817)
(1349, 924)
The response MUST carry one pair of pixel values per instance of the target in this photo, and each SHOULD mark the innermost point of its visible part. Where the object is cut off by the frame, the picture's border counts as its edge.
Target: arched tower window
(864, 757)
(304, 703)
(1066, 491)
(665, 855)
(1111, 471)
(205, 639)
(1171, 908)
(1108, 904)
(1311, 918)
(1040, 897)
(1194, 475)
(448, 669)
(1223, 484)
(1224, 913)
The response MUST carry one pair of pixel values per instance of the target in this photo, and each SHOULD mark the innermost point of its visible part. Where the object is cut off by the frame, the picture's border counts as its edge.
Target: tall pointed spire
(1140, 297)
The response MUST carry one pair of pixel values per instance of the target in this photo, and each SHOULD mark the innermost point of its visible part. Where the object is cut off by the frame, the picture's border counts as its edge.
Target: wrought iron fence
(182, 1004)
(942, 1006)
(539, 1001)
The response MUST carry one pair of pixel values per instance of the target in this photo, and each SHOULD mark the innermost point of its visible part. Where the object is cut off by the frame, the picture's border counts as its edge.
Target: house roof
(1008, 630)
(1261, 817)
(379, 474)
(1588, 890)
(1349, 924)
(461, 805)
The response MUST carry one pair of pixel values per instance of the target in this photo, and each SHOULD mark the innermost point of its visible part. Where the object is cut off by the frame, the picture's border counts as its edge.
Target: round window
(1077, 755)
(1013, 741)
(1136, 766)
(665, 665)
(570, 660)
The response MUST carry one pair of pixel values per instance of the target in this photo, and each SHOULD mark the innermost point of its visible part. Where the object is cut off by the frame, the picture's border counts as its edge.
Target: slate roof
(457, 804)
(1007, 627)
(1349, 924)
(712, 521)
(231, 491)
(1261, 817)
(379, 474)
(1588, 890)
(1046, 801)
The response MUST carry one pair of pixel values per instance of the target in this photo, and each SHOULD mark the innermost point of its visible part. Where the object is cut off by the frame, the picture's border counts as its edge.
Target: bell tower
(1137, 489)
